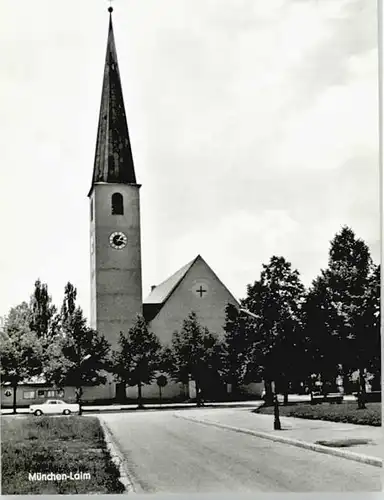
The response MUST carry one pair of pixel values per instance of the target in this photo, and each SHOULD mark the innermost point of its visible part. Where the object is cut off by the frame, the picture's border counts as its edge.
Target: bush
(346, 412)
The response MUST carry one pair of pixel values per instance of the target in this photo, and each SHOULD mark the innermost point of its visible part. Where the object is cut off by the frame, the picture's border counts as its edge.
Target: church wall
(210, 308)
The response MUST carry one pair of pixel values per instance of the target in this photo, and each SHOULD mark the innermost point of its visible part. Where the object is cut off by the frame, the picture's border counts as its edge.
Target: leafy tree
(78, 355)
(362, 331)
(195, 353)
(236, 348)
(44, 318)
(321, 334)
(138, 360)
(20, 349)
(68, 307)
(372, 322)
(278, 341)
(348, 279)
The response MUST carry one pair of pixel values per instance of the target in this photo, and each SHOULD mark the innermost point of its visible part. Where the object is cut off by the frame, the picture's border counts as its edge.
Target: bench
(332, 397)
(370, 397)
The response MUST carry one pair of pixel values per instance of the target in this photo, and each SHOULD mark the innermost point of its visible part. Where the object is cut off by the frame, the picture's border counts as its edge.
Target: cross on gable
(201, 291)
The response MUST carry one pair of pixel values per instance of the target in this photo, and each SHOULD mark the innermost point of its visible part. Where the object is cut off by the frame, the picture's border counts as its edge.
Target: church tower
(116, 287)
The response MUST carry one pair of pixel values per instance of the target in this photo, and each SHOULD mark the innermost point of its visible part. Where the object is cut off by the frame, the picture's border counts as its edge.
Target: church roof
(113, 156)
(160, 294)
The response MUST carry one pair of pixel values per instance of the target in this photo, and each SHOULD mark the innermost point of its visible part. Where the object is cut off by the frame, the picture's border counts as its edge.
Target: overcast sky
(254, 128)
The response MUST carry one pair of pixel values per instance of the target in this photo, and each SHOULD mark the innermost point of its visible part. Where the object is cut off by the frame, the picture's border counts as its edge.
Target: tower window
(117, 204)
(91, 209)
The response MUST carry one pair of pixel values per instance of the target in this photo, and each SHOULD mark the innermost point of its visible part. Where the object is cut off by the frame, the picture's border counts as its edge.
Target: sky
(253, 123)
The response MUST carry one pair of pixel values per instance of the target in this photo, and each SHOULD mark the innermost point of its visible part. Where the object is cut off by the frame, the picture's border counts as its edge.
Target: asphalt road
(171, 455)
(118, 407)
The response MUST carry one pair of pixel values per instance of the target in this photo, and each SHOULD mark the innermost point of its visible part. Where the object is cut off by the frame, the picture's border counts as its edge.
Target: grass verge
(59, 445)
(346, 412)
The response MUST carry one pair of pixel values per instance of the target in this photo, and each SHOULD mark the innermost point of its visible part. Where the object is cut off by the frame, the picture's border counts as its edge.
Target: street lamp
(276, 413)
(80, 390)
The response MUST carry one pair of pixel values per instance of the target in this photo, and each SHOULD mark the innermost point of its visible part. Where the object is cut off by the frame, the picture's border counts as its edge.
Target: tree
(321, 333)
(372, 321)
(68, 307)
(195, 353)
(161, 382)
(363, 335)
(78, 355)
(44, 318)
(236, 348)
(138, 360)
(348, 278)
(278, 341)
(20, 349)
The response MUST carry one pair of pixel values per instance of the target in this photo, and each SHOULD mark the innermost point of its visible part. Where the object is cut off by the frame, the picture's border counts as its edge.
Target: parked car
(54, 407)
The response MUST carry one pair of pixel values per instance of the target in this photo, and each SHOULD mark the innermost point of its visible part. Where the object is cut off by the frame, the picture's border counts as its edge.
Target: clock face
(118, 240)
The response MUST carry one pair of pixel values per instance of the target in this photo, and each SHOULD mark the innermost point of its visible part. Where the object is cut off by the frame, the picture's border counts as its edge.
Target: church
(115, 249)
(116, 269)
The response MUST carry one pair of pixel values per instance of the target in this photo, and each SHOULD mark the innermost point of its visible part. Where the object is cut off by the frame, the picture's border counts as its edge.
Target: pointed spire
(113, 158)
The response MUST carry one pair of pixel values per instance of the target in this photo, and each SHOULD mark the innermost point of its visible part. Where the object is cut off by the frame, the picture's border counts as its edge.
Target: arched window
(117, 204)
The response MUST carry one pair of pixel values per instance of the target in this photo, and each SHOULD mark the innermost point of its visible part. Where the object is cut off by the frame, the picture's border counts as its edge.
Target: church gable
(197, 289)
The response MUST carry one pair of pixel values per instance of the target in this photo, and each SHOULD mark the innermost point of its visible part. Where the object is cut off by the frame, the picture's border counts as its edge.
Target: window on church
(117, 204)
(91, 209)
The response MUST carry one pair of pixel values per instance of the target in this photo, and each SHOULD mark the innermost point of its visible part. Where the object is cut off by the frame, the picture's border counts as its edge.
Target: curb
(117, 458)
(170, 408)
(377, 462)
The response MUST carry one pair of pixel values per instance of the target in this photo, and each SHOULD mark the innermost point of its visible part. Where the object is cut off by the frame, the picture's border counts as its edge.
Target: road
(171, 455)
(118, 407)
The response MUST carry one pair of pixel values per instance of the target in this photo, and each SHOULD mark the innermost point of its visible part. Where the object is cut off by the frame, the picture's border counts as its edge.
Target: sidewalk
(251, 404)
(309, 431)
